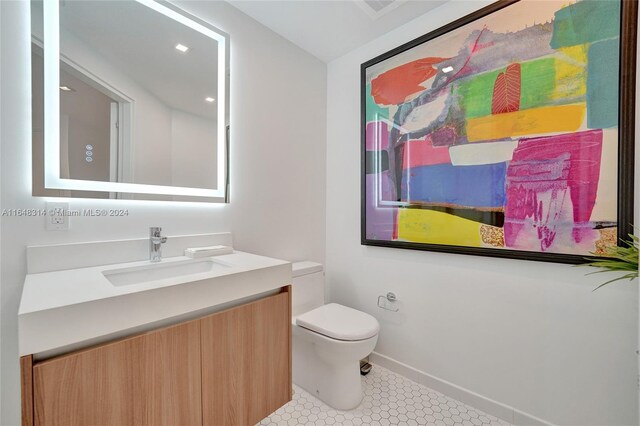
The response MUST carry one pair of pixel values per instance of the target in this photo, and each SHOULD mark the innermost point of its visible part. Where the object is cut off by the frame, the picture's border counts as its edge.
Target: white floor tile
(389, 399)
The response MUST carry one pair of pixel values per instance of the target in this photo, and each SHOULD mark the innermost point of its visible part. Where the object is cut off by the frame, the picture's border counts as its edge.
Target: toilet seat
(339, 322)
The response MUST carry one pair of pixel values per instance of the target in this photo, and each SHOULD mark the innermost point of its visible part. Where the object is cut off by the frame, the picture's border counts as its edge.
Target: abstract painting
(501, 133)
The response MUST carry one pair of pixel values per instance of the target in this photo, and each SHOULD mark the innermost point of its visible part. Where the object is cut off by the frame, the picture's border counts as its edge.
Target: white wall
(278, 133)
(1, 137)
(194, 150)
(278, 119)
(529, 335)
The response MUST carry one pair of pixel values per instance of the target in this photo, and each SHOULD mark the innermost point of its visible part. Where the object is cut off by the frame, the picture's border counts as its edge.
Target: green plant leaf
(617, 259)
(630, 276)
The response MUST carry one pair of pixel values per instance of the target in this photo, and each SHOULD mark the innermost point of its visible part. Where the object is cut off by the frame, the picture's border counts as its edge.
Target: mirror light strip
(51, 36)
(182, 19)
(222, 117)
(52, 180)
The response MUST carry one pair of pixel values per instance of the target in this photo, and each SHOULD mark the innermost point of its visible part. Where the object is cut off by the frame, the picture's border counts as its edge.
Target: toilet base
(318, 370)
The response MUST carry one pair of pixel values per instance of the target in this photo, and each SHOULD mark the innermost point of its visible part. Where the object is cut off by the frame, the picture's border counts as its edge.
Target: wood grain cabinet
(229, 368)
(151, 379)
(245, 356)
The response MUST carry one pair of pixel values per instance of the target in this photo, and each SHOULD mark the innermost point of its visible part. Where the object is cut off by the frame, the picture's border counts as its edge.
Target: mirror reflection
(138, 96)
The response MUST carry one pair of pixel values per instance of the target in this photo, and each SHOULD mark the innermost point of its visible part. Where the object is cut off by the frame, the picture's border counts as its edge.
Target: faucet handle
(155, 243)
(158, 240)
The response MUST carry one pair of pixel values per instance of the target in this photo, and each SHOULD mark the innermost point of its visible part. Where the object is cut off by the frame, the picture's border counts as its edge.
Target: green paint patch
(537, 85)
(586, 21)
(374, 111)
(475, 93)
(538, 82)
(602, 84)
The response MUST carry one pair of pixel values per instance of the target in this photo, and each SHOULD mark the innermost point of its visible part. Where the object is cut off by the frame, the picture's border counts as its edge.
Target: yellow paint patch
(428, 226)
(535, 121)
(571, 80)
(577, 53)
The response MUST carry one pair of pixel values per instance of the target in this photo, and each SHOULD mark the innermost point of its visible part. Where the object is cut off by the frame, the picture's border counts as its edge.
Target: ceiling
(140, 43)
(330, 28)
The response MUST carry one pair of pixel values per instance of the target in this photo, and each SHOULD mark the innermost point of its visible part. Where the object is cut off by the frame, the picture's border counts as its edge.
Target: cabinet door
(150, 379)
(246, 355)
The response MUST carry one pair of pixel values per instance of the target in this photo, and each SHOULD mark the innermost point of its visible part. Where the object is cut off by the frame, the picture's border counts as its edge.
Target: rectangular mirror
(130, 100)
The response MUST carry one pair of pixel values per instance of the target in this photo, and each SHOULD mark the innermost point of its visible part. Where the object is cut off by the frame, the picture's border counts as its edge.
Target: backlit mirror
(130, 100)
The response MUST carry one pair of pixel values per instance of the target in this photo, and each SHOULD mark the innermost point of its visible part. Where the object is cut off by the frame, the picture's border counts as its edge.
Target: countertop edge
(49, 329)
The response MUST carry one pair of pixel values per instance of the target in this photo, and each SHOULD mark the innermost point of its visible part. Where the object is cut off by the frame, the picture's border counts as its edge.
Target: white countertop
(56, 289)
(68, 307)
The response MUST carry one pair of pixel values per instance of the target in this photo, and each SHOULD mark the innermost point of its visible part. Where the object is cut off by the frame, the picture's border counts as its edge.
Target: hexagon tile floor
(389, 399)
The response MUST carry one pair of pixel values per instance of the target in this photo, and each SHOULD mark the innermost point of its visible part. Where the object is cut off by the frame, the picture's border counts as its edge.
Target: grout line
(480, 402)
(388, 398)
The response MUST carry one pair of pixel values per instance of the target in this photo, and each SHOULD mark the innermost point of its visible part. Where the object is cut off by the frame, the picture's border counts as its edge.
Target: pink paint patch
(395, 225)
(543, 172)
(421, 152)
(387, 193)
(444, 136)
(377, 135)
(381, 218)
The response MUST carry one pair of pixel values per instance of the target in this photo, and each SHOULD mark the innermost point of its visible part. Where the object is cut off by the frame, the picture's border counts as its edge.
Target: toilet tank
(307, 286)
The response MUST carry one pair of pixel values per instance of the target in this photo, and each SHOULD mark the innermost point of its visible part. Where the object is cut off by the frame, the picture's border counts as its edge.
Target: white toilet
(328, 341)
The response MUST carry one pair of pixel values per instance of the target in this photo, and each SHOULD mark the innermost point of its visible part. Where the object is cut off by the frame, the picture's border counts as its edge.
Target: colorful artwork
(500, 135)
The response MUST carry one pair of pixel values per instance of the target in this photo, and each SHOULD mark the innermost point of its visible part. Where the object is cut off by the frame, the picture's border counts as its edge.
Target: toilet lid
(339, 322)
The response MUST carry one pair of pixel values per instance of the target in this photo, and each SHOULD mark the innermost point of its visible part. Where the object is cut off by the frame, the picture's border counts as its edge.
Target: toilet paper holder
(391, 297)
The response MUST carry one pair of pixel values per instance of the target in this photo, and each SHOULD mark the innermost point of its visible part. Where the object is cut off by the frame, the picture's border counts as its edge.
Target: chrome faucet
(155, 243)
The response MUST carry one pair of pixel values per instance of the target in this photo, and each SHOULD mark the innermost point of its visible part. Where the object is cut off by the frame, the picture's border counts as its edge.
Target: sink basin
(160, 271)
(79, 298)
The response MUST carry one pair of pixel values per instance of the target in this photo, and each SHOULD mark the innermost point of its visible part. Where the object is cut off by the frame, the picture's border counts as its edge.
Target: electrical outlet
(57, 218)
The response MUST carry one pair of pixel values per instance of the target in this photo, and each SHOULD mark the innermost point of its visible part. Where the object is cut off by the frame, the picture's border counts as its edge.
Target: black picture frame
(626, 141)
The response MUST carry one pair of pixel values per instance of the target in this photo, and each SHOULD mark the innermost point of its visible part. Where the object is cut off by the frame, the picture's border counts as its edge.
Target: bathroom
(522, 341)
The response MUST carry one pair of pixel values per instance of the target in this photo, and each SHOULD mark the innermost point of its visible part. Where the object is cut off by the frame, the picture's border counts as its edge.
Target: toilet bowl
(328, 341)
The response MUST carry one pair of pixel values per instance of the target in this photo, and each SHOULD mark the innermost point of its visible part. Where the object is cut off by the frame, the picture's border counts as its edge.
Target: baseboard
(488, 405)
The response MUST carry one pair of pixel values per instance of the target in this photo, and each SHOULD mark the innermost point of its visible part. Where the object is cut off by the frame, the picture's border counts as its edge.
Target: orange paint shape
(506, 91)
(394, 86)
(552, 119)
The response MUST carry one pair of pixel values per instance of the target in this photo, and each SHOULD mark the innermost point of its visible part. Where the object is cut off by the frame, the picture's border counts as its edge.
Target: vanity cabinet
(229, 368)
(151, 379)
(246, 362)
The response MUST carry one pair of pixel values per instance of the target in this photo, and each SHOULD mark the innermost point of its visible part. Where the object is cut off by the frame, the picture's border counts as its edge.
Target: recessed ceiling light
(209, 99)
(66, 89)
(447, 69)
(182, 48)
